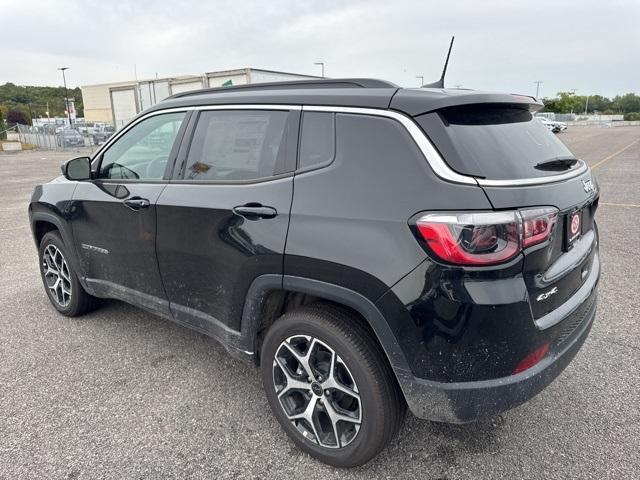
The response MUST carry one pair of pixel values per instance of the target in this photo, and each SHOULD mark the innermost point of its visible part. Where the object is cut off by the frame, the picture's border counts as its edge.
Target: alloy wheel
(57, 275)
(317, 391)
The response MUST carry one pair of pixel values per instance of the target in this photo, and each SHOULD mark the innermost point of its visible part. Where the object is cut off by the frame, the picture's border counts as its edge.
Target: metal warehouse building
(117, 103)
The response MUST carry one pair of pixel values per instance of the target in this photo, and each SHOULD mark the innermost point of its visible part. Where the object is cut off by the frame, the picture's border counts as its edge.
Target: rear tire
(356, 405)
(60, 280)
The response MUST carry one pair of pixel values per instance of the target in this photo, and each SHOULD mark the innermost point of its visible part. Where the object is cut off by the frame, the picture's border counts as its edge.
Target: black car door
(114, 214)
(223, 220)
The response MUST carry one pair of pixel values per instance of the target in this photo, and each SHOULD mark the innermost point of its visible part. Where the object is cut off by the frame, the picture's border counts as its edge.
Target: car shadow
(418, 441)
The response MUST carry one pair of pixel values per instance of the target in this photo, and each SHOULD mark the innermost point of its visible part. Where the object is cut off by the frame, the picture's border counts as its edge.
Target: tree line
(568, 102)
(19, 104)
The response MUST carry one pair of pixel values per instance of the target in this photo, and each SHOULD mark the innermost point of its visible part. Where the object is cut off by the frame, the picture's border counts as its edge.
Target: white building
(117, 103)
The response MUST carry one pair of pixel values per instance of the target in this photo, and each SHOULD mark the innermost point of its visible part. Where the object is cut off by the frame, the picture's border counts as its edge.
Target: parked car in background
(87, 128)
(552, 125)
(102, 134)
(69, 137)
(369, 248)
(49, 128)
(560, 126)
(80, 127)
(548, 124)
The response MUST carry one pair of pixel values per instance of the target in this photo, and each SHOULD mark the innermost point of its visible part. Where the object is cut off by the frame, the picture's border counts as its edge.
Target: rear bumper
(465, 402)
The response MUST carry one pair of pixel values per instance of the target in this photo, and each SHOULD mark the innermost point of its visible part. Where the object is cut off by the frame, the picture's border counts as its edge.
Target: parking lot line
(626, 205)
(7, 209)
(606, 159)
(13, 228)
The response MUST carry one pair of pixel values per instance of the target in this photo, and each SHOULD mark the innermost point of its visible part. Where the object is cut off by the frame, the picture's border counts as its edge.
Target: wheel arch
(267, 287)
(42, 227)
(44, 222)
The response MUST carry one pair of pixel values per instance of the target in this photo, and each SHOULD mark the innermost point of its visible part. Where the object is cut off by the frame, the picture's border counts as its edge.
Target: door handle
(136, 203)
(253, 211)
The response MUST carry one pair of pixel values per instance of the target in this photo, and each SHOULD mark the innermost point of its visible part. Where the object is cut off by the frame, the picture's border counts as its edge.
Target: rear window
(496, 142)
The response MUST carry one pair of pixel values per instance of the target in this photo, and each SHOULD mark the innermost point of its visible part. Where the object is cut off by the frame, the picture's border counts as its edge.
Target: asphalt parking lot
(120, 393)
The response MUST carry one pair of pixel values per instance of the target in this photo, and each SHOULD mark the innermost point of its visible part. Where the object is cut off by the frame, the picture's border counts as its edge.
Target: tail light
(537, 225)
(485, 238)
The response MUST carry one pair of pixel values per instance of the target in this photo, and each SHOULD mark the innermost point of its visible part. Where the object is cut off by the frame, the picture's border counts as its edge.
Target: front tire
(60, 280)
(330, 386)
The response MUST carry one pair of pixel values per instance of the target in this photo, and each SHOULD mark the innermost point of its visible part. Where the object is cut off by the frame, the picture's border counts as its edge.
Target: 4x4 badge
(545, 295)
(588, 186)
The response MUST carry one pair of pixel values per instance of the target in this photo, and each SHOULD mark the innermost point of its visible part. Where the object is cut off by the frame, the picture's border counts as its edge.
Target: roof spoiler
(535, 105)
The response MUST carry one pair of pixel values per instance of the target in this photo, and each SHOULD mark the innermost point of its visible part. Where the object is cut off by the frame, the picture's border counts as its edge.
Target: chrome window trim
(132, 124)
(582, 168)
(188, 109)
(435, 161)
(432, 156)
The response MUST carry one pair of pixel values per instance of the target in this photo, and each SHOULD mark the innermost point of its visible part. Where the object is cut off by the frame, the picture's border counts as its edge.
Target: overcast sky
(590, 45)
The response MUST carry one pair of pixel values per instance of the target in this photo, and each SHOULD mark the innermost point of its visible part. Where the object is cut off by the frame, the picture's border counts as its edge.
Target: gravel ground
(120, 393)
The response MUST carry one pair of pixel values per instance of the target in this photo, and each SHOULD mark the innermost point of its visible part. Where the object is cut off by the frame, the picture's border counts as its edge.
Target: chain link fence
(55, 137)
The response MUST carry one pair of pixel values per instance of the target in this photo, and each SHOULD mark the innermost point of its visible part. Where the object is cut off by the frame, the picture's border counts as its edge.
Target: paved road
(122, 394)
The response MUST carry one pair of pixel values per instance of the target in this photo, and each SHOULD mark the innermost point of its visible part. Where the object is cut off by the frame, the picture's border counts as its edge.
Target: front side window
(233, 145)
(143, 151)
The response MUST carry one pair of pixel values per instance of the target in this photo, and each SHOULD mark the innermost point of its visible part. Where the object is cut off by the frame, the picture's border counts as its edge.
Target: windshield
(496, 142)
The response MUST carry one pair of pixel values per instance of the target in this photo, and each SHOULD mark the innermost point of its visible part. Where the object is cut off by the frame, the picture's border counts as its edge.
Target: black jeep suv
(369, 247)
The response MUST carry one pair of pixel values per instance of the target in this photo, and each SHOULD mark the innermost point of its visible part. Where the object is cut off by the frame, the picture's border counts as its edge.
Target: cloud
(592, 46)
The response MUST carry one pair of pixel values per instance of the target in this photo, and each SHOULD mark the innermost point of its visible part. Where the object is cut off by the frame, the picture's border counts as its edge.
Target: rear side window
(238, 145)
(498, 142)
(317, 140)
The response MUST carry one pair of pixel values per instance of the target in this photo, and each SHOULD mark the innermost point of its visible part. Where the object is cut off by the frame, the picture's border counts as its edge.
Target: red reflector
(532, 359)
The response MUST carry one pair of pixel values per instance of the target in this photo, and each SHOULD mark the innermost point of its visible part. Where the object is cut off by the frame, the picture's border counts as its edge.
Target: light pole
(322, 65)
(573, 92)
(421, 77)
(66, 94)
(586, 105)
(538, 82)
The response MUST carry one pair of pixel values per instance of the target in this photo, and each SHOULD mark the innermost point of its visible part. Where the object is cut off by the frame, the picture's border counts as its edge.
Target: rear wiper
(558, 163)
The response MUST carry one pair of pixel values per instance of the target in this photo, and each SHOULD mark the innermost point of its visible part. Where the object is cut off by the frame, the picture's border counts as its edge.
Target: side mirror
(78, 168)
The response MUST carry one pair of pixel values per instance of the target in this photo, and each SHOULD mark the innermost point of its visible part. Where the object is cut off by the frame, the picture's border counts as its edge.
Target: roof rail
(294, 84)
